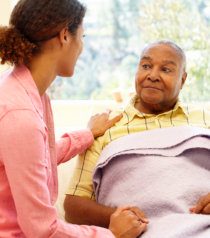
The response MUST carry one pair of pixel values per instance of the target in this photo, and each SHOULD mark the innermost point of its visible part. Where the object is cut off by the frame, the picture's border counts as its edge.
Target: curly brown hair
(35, 21)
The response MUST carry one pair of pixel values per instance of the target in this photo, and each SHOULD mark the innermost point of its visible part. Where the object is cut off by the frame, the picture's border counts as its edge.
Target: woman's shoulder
(13, 96)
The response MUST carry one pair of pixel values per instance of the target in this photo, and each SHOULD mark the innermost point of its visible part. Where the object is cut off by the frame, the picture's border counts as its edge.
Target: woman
(42, 41)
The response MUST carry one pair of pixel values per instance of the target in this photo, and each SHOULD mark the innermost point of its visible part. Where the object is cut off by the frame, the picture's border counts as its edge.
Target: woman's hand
(125, 224)
(100, 122)
(203, 205)
(140, 214)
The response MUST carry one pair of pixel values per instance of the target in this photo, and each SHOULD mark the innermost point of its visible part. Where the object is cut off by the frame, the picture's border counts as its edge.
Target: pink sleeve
(71, 144)
(22, 151)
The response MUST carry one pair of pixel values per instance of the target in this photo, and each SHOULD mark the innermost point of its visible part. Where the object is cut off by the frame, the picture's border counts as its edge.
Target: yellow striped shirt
(131, 122)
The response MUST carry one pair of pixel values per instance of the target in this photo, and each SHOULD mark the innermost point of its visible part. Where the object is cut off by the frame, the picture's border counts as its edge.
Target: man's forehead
(164, 51)
(162, 60)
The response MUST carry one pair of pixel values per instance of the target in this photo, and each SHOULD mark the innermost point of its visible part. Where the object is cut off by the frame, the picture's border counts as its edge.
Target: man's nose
(153, 75)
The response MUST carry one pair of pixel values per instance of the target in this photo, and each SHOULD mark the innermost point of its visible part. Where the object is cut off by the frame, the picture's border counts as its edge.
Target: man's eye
(145, 66)
(83, 36)
(166, 69)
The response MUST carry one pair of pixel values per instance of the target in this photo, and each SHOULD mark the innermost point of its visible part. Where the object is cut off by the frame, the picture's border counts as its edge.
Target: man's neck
(153, 108)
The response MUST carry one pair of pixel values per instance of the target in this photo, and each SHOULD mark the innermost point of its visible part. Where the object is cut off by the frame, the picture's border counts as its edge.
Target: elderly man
(159, 79)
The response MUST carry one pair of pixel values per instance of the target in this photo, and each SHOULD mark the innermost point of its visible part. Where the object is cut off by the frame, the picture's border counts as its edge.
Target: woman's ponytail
(34, 22)
(15, 48)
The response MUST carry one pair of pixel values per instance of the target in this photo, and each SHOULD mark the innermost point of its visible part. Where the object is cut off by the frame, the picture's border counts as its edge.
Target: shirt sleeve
(81, 183)
(22, 151)
(71, 144)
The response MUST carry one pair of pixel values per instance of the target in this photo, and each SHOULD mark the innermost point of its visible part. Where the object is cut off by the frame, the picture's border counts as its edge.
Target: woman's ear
(64, 36)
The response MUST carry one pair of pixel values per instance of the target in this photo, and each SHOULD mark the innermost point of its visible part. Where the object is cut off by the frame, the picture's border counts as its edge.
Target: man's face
(160, 76)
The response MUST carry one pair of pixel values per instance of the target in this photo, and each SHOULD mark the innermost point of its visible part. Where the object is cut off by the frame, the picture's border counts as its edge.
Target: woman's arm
(23, 153)
(76, 142)
(71, 144)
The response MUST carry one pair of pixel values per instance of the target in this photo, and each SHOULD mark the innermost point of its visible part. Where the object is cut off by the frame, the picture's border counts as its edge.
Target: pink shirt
(29, 157)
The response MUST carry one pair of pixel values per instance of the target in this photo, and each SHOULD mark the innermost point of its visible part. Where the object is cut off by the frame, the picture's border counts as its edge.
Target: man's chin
(151, 96)
(151, 100)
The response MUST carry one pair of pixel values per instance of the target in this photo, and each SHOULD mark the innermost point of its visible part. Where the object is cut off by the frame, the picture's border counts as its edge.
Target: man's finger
(206, 209)
(140, 214)
(201, 204)
(198, 208)
(192, 209)
(142, 219)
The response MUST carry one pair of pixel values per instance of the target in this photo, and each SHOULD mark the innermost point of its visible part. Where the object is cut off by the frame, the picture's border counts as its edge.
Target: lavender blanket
(164, 172)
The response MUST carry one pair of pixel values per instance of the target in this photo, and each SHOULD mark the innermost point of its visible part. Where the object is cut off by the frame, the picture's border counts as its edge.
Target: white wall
(5, 10)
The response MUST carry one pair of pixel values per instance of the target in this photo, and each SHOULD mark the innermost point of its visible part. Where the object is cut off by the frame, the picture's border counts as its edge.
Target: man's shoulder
(115, 112)
(198, 113)
(199, 106)
(125, 114)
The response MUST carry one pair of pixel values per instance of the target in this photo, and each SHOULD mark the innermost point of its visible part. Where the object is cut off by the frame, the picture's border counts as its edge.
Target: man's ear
(64, 36)
(184, 76)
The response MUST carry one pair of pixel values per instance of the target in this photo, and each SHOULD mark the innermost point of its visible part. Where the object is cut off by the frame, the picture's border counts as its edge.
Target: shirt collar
(23, 75)
(130, 111)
